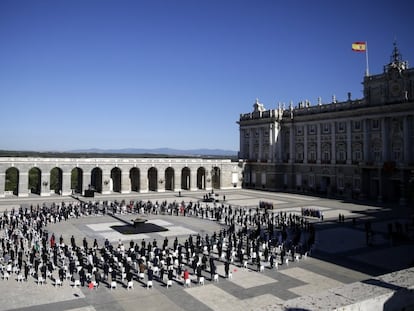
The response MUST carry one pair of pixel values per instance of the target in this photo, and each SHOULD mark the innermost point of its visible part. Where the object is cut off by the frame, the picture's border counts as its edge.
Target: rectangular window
(312, 129)
(299, 130)
(357, 125)
(375, 124)
(326, 128)
(341, 127)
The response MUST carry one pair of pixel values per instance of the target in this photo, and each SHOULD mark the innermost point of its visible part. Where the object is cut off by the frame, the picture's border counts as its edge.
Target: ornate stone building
(43, 176)
(357, 148)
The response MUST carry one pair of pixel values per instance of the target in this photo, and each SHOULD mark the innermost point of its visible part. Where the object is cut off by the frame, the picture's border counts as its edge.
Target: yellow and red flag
(359, 46)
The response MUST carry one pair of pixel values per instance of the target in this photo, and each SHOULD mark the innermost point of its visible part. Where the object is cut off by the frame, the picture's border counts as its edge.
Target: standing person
(227, 268)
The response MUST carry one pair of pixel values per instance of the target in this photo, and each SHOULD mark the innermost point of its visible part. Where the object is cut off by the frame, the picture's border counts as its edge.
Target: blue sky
(78, 74)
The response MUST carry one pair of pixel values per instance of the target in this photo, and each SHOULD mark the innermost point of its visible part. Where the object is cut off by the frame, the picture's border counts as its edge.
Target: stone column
(333, 143)
(259, 158)
(291, 144)
(241, 147)
(348, 142)
(251, 143)
(2, 184)
(177, 179)
(66, 181)
(24, 184)
(278, 141)
(143, 180)
(318, 143)
(385, 134)
(45, 184)
(272, 130)
(193, 179)
(106, 181)
(367, 157)
(406, 141)
(305, 144)
(125, 181)
(86, 181)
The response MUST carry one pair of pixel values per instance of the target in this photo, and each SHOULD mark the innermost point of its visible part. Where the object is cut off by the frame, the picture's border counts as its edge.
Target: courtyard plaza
(342, 269)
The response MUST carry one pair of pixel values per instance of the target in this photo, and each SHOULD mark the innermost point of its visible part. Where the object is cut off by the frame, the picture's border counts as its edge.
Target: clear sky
(78, 74)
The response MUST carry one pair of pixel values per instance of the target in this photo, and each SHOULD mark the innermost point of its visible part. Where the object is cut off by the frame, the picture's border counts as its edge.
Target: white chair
(68, 275)
(20, 278)
(58, 282)
(201, 280)
(216, 278)
(287, 262)
(76, 283)
(40, 280)
(261, 269)
(230, 276)
(169, 283)
(130, 285)
(187, 282)
(149, 284)
(141, 276)
(245, 264)
(113, 285)
(276, 265)
(6, 275)
(306, 255)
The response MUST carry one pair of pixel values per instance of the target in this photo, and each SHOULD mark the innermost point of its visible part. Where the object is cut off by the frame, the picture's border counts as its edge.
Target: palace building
(360, 149)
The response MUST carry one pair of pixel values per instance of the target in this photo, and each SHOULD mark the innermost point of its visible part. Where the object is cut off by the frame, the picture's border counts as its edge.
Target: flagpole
(366, 58)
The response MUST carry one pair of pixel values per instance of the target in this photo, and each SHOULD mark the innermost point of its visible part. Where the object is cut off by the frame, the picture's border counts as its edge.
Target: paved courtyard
(340, 263)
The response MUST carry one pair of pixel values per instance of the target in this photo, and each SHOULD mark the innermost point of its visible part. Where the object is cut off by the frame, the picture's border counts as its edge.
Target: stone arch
(186, 178)
(76, 180)
(35, 178)
(134, 176)
(56, 175)
(12, 180)
(169, 178)
(152, 179)
(201, 178)
(216, 177)
(96, 180)
(116, 179)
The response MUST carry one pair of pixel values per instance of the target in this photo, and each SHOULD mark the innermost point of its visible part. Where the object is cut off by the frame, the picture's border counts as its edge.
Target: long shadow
(129, 228)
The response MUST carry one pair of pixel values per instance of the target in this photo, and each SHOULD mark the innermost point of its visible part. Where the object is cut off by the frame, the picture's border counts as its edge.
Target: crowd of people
(248, 238)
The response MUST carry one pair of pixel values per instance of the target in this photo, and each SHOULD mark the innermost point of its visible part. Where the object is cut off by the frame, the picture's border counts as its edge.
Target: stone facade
(358, 148)
(109, 175)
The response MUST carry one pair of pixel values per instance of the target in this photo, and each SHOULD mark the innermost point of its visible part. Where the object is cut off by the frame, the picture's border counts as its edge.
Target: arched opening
(96, 180)
(56, 180)
(201, 178)
(35, 176)
(116, 179)
(215, 178)
(185, 178)
(76, 178)
(12, 180)
(152, 179)
(134, 177)
(169, 178)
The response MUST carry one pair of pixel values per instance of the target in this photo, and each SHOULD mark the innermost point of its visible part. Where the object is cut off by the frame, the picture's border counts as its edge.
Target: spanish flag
(359, 46)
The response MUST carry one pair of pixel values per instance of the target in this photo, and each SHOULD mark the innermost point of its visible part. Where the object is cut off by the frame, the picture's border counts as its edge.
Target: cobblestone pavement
(339, 260)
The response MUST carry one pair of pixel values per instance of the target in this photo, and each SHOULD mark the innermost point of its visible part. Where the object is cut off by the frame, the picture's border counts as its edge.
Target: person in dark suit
(150, 273)
(226, 268)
